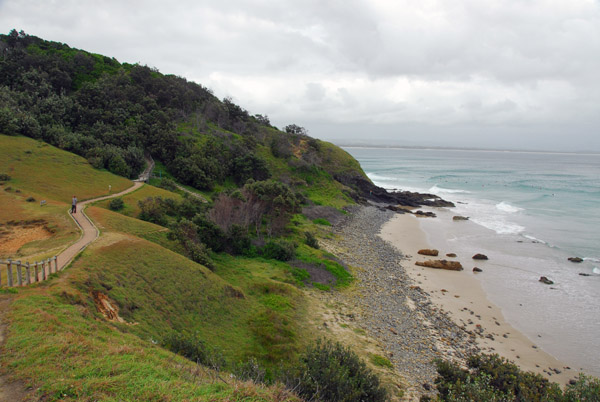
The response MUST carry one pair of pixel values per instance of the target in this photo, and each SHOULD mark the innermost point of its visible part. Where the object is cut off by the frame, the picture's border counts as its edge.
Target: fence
(20, 274)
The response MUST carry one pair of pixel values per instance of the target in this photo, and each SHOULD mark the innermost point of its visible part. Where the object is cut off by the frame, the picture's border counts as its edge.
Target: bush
(198, 252)
(332, 372)
(116, 204)
(506, 380)
(30, 199)
(585, 389)
(4, 177)
(311, 240)
(238, 242)
(279, 249)
(167, 184)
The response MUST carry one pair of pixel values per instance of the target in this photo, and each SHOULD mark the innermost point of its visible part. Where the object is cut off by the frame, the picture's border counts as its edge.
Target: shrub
(279, 249)
(504, 377)
(311, 240)
(332, 372)
(167, 184)
(30, 199)
(238, 241)
(476, 389)
(116, 204)
(4, 177)
(585, 389)
(198, 252)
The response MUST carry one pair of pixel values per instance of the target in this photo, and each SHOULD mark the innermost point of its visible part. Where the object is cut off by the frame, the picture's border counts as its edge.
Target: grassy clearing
(46, 172)
(131, 207)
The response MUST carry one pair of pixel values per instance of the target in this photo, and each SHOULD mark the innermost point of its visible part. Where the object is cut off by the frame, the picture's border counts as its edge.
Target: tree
(296, 130)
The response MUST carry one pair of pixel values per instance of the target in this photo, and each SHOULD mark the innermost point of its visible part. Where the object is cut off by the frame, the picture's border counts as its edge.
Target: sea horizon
(474, 149)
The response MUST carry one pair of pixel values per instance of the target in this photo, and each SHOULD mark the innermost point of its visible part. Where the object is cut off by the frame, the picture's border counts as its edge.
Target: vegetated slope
(60, 341)
(112, 113)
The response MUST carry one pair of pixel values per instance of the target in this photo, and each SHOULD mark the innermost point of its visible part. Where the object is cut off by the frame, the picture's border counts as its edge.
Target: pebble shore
(388, 305)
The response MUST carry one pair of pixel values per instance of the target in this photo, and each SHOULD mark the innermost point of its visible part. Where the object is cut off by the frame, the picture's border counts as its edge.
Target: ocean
(529, 212)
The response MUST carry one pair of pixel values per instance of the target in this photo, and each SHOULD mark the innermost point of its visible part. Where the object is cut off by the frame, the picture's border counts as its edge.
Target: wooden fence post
(28, 281)
(36, 277)
(19, 277)
(1, 274)
(56, 263)
(9, 273)
(49, 265)
(43, 272)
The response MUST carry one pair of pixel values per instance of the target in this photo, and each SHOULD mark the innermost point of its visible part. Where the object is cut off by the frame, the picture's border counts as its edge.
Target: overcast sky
(478, 73)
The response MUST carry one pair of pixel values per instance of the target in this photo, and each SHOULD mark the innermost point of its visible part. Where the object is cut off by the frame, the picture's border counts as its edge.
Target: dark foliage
(110, 113)
(331, 372)
(116, 204)
(311, 240)
(279, 249)
(496, 377)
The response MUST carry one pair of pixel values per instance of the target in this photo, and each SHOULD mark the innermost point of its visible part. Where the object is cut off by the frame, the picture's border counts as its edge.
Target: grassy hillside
(63, 343)
(46, 172)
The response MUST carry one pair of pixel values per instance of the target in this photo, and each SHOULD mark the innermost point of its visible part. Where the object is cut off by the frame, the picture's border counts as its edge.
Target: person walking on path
(74, 205)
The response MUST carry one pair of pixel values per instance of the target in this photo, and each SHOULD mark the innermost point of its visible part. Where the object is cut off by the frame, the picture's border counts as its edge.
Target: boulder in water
(428, 251)
(460, 218)
(477, 269)
(452, 255)
(575, 259)
(480, 257)
(546, 281)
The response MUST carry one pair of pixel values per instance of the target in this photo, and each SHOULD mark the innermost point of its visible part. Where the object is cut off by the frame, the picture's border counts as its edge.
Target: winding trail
(89, 230)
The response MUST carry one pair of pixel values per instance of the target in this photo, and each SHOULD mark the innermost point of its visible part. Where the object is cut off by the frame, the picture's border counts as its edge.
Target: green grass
(380, 361)
(46, 172)
(55, 345)
(131, 207)
(321, 221)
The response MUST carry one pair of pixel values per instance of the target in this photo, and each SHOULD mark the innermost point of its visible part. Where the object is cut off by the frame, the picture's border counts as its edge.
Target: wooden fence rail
(20, 273)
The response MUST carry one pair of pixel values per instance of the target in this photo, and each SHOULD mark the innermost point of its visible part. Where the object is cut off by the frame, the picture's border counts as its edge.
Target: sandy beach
(460, 294)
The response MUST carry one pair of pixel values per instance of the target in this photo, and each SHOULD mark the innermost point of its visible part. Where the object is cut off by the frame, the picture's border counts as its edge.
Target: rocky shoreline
(388, 305)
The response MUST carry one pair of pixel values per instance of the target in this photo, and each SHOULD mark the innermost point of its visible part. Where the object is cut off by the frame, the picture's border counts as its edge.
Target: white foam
(591, 259)
(534, 239)
(506, 207)
(499, 225)
(437, 190)
(596, 270)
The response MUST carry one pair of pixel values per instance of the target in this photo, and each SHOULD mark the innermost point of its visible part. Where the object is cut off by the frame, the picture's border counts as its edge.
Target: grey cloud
(402, 66)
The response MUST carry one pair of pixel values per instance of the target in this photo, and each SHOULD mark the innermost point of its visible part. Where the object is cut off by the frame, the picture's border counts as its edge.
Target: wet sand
(461, 295)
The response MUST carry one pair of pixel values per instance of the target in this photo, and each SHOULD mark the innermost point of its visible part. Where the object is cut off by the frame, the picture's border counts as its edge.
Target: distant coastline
(468, 149)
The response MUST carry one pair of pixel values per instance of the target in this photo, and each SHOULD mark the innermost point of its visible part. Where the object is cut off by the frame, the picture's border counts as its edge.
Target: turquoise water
(529, 211)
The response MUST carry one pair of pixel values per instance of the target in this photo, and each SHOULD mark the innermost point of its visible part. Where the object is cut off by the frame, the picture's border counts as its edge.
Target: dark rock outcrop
(477, 269)
(365, 190)
(428, 251)
(545, 280)
(427, 214)
(480, 257)
(460, 218)
(575, 259)
(441, 264)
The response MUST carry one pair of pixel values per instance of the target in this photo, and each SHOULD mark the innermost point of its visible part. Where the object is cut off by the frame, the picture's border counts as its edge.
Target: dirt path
(89, 230)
